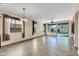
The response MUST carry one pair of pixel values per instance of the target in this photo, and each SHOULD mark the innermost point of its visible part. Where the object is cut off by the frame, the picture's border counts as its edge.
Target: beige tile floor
(42, 46)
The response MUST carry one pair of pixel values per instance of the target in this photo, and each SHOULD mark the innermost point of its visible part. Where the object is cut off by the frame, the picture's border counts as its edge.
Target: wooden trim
(23, 34)
(8, 16)
(3, 28)
(57, 23)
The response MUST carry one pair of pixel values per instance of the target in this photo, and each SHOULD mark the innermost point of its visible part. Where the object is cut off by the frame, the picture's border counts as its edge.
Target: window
(10, 24)
(15, 25)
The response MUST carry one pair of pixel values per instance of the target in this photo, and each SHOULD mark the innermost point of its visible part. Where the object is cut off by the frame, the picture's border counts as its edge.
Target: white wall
(15, 37)
(76, 31)
(76, 28)
(39, 29)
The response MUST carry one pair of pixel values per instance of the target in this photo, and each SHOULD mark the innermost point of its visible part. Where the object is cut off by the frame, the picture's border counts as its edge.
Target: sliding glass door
(59, 28)
(63, 28)
(52, 27)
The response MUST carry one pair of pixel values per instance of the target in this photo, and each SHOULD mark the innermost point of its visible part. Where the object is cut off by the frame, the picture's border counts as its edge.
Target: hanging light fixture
(51, 20)
(24, 18)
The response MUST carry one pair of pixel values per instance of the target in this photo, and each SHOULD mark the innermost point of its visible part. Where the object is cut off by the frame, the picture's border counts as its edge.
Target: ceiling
(42, 11)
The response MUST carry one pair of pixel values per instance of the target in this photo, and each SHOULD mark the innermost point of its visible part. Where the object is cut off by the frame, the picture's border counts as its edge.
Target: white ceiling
(43, 11)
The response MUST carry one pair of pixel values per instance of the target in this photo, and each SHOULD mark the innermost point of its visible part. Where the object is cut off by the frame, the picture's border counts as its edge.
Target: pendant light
(51, 20)
(24, 18)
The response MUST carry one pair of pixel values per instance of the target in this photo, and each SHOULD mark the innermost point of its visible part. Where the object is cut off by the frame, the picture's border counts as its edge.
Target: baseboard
(22, 41)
